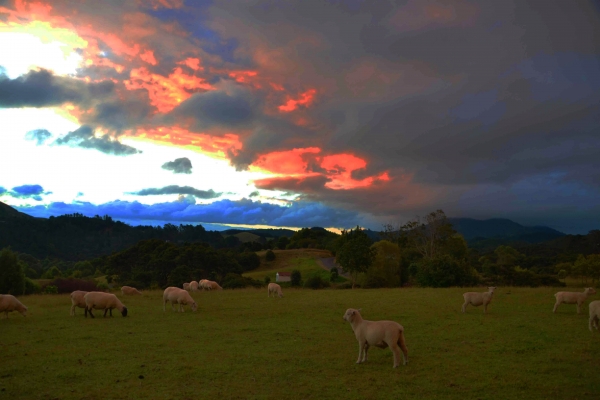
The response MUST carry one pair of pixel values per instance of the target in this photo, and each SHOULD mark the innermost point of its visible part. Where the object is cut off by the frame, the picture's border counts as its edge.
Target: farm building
(283, 277)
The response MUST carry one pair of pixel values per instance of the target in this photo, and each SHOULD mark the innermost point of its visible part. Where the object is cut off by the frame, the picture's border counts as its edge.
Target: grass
(243, 345)
(304, 260)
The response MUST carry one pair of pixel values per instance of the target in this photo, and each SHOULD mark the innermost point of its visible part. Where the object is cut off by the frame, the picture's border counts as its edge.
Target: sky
(302, 113)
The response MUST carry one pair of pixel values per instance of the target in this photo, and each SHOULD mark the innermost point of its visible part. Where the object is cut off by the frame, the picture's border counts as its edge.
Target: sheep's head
(124, 312)
(194, 306)
(23, 311)
(350, 314)
(590, 290)
(491, 289)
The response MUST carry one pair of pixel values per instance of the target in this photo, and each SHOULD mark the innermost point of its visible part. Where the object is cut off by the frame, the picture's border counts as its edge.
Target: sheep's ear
(353, 312)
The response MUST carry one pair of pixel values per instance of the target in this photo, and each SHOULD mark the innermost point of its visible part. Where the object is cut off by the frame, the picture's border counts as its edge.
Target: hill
(7, 212)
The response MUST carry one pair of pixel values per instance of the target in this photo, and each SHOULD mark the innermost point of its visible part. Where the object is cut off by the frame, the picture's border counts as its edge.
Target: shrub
(32, 287)
(50, 289)
(103, 287)
(12, 276)
(236, 281)
(296, 278)
(445, 271)
(270, 256)
(68, 285)
(316, 281)
(267, 280)
(333, 274)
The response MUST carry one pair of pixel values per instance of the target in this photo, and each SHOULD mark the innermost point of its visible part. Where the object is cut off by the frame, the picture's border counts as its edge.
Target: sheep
(179, 296)
(77, 300)
(204, 284)
(194, 286)
(9, 303)
(275, 289)
(377, 333)
(212, 285)
(128, 290)
(594, 314)
(103, 301)
(476, 299)
(186, 286)
(573, 298)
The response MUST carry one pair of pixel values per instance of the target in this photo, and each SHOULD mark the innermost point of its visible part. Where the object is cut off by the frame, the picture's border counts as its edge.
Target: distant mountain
(262, 233)
(475, 229)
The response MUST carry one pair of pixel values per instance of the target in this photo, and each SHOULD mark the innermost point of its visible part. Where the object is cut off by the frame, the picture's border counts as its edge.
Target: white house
(283, 277)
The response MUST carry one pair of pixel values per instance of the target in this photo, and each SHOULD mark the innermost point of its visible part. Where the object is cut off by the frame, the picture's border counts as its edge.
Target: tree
(385, 270)
(12, 277)
(179, 276)
(430, 237)
(270, 255)
(296, 278)
(354, 253)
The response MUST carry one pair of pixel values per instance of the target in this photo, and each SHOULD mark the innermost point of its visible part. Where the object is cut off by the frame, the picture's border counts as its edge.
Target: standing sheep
(476, 299)
(178, 296)
(594, 314)
(275, 289)
(103, 301)
(573, 298)
(186, 286)
(377, 333)
(77, 300)
(9, 303)
(128, 290)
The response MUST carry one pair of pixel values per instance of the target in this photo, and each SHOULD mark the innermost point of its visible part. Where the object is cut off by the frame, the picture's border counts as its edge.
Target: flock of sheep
(380, 334)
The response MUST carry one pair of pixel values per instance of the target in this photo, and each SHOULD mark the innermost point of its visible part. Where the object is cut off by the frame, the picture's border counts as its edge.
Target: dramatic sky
(302, 113)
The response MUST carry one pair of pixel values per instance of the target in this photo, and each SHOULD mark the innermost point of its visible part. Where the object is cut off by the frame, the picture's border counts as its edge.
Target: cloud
(179, 166)
(43, 89)
(38, 135)
(34, 192)
(253, 194)
(174, 189)
(84, 137)
(2, 190)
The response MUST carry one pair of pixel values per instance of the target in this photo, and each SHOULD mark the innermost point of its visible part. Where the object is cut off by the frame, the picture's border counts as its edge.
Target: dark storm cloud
(38, 135)
(299, 214)
(174, 189)
(34, 192)
(179, 166)
(298, 185)
(43, 89)
(84, 137)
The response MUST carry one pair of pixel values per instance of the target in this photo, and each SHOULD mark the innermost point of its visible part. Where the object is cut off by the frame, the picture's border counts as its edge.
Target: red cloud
(304, 99)
(290, 162)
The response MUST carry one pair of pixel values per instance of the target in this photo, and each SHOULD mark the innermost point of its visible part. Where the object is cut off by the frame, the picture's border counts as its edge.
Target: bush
(316, 281)
(236, 281)
(12, 276)
(333, 274)
(296, 278)
(32, 287)
(68, 285)
(50, 289)
(445, 271)
(267, 280)
(345, 285)
(270, 256)
(102, 287)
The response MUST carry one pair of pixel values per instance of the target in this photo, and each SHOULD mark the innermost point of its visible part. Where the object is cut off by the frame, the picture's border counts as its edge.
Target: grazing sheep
(186, 286)
(377, 333)
(103, 301)
(476, 299)
(194, 286)
(178, 296)
(204, 284)
(594, 314)
(212, 285)
(77, 300)
(9, 303)
(128, 290)
(573, 298)
(275, 289)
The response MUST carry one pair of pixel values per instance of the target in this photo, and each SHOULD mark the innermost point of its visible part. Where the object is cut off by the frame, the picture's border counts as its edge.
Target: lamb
(128, 290)
(594, 314)
(212, 285)
(103, 301)
(186, 286)
(476, 299)
(9, 303)
(77, 300)
(275, 289)
(573, 298)
(377, 333)
(178, 296)
(194, 286)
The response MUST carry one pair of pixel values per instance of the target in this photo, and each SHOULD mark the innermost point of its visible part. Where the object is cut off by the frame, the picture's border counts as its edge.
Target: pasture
(243, 345)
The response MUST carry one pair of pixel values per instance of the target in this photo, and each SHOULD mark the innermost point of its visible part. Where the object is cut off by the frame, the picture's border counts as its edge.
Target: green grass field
(243, 345)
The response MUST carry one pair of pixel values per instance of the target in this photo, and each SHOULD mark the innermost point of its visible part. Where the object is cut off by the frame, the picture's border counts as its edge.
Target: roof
(284, 273)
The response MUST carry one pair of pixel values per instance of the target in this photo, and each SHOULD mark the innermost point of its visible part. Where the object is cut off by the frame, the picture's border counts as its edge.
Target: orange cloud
(214, 146)
(148, 56)
(166, 92)
(193, 63)
(156, 4)
(290, 162)
(305, 99)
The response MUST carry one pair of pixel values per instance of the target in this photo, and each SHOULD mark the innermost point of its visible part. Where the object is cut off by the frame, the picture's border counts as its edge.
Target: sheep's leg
(591, 323)
(164, 305)
(555, 307)
(360, 350)
(402, 344)
(172, 306)
(110, 311)
(365, 352)
(73, 310)
(485, 308)
(105, 310)
(396, 350)
(464, 306)
(90, 311)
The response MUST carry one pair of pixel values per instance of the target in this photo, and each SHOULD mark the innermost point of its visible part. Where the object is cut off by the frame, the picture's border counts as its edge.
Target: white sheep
(186, 286)
(77, 300)
(381, 334)
(478, 298)
(194, 286)
(178, 296)
(203, 284)
(573, 298)
(103, 301)
(594, 314)
(212, 285)
(9, 303)
(128, 290)
(275, 289)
